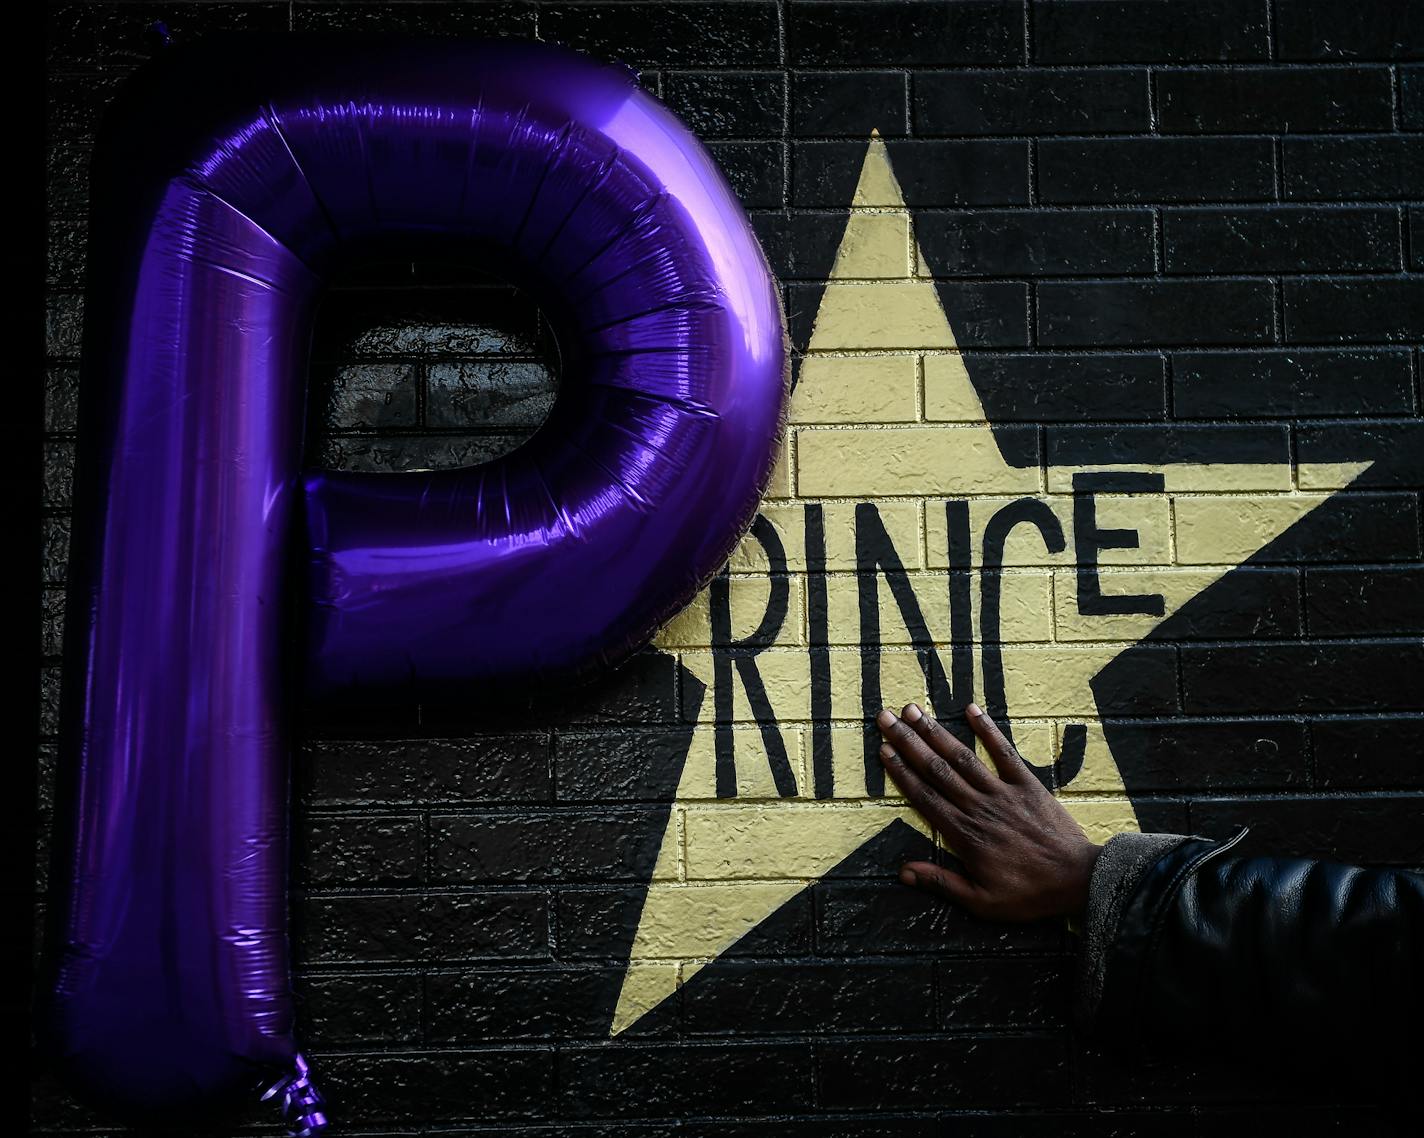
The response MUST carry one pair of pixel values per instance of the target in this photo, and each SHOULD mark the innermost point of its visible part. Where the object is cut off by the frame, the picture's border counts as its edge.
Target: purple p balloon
(228, 183)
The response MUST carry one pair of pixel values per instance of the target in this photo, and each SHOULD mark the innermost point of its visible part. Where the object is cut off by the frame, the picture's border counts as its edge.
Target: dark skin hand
(1024, 857)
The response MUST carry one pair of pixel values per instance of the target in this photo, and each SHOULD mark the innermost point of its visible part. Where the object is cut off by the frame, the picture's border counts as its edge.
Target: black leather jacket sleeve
(1188, 945)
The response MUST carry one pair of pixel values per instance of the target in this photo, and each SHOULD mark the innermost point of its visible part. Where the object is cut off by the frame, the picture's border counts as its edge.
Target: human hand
(1024, 856)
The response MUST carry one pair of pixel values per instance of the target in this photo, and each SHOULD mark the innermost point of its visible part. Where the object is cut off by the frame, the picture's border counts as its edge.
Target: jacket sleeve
(1185, 944)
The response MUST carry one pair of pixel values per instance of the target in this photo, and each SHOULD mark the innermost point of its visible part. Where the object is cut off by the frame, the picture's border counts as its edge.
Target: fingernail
(973, 711)
(907, 876)
(886, 718)
(886, 751)
(913, 713)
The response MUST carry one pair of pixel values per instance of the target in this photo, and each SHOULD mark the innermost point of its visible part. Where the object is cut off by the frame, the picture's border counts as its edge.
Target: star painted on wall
(886, 418)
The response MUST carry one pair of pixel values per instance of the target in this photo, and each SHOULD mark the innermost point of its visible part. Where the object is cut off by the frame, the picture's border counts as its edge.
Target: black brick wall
(1192, 225)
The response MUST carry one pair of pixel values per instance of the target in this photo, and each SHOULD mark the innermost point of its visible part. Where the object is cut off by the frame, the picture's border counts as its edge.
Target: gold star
(885, 414)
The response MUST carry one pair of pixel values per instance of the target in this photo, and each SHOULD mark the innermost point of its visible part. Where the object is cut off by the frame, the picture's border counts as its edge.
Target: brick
(1368, 753)
(1168, 1084)
(1262, 604)
(672, 1079)
(443, 19)
(113, 37)
(726, 841)
(504, 768)
(1154, 312)
(694, 34)
(1117, 171)
(440, 1085)
(1058, 680)
(986, 314)
(1349, 169)
(1025, 613)
(1397, 448)
(752, 760)
(58, 473)
(473, 1005)
(733, 104)
(800, 245)
(856, 919)
(1044, 387)
(64, 322)
(829, 104)
(1363, 602)
(1351, 528)
(607, 846)
(66, 250)
(744, 998)
(1275, 99)
(67, 175)
(427, 926)
(597, 924)
(488, 393)
(779, 484)
(918, 33)
(1185, 755)
(1291, 383)
(1411, 97)
(1035, 242)
(943, 1072)
(369, 849)
(643, 690)
(618, 766)
(856, 389)
(1387, 310)
(52, 622)
(755, 170)
(1275, 239)
(875, 246)
(1374, 830)
(49, 702)
(1009, 993)
(905, 315)
(371, 396)
(367, 1009)
(927, 460)
(931, 172)
(54, 549)
(1148, 516)
(786, 675)
(74, 104)
(900, 520)
(1253, 457)
(748, 599)
(1031, 102)
(61, 392)
(439, 323)
(1307, 677)
(1320, 29)
(392, 453)
(1116, 31)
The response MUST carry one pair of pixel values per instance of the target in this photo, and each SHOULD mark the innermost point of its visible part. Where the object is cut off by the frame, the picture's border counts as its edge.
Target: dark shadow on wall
(1283, 714)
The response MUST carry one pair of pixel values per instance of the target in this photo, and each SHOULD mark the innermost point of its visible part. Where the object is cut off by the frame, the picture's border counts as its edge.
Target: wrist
(1078, 879)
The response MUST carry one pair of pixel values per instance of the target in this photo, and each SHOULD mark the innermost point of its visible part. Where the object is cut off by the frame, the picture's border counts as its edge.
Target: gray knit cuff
(1120, 866)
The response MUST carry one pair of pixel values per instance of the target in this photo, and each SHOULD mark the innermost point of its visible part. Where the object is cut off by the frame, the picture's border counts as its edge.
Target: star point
(975, 568)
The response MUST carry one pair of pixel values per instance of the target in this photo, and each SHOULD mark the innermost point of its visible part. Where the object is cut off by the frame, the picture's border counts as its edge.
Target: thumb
(943, 883)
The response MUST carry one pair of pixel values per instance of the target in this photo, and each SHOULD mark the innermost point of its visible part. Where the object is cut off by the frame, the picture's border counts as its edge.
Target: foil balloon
(228, 184)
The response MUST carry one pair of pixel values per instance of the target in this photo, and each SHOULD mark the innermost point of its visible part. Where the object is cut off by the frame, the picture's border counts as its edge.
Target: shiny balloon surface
(230, 182)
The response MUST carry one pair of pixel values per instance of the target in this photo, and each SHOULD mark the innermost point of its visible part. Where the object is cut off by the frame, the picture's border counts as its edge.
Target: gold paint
(864, 429)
